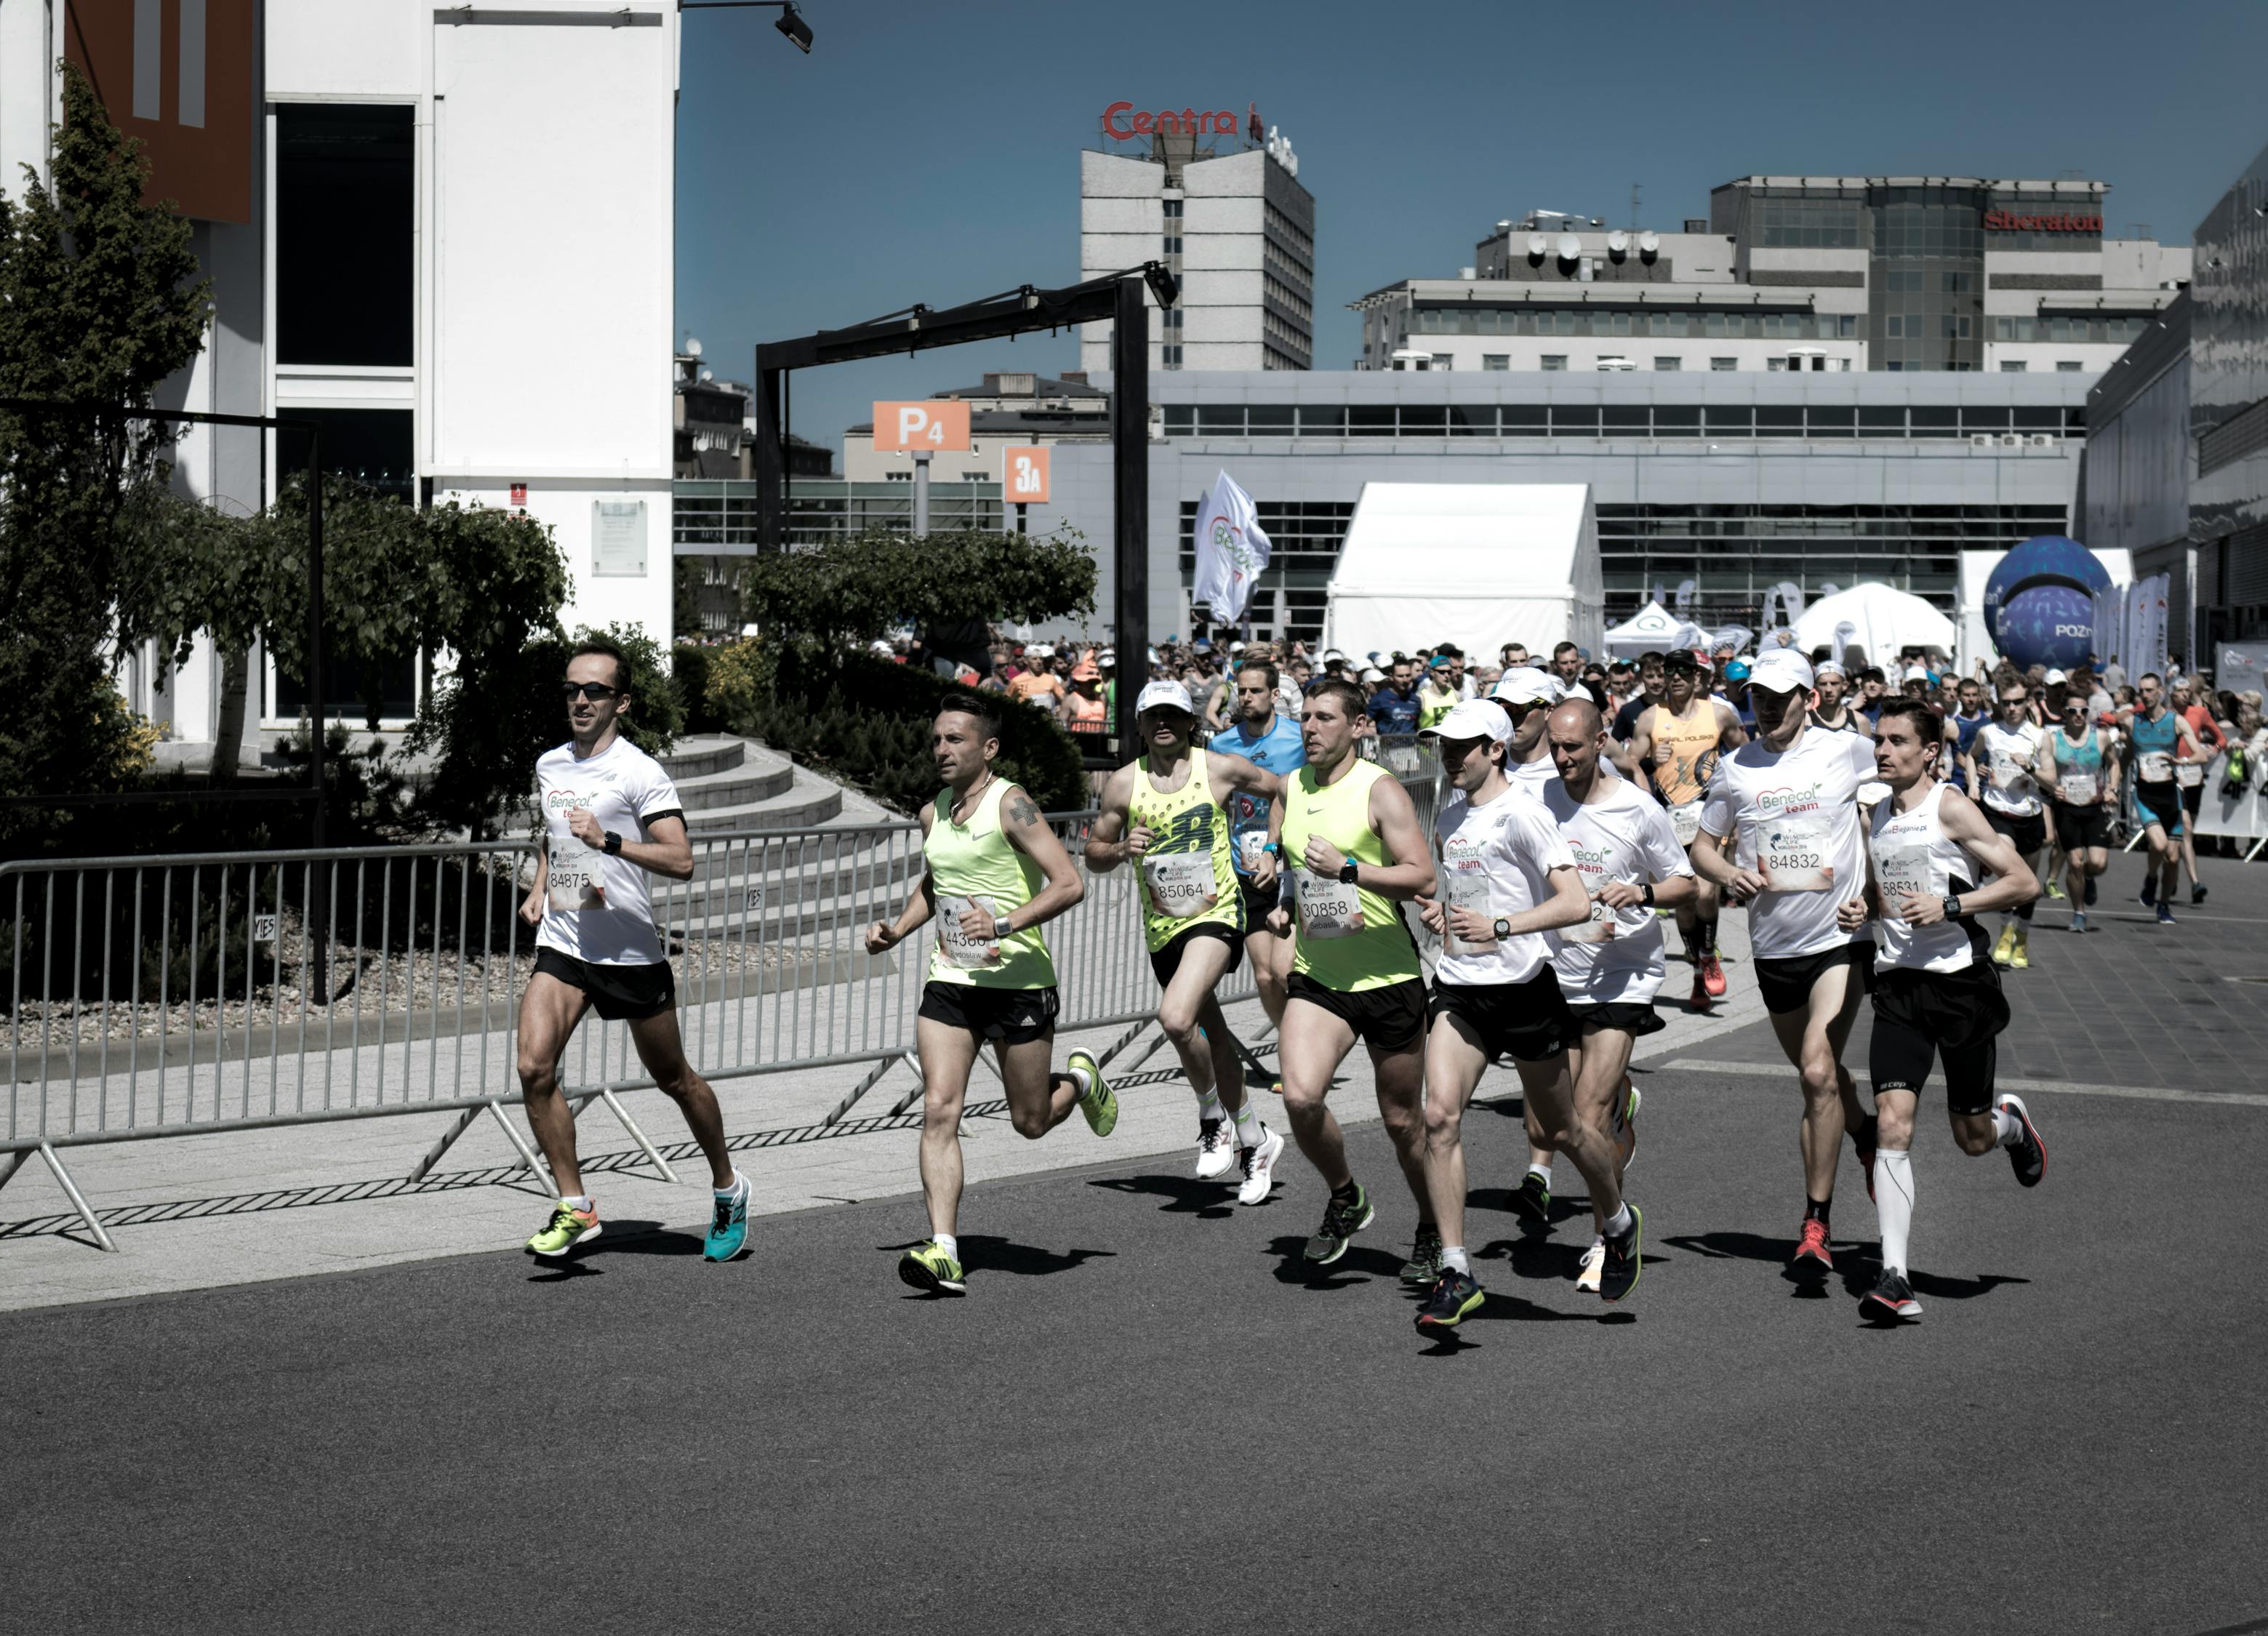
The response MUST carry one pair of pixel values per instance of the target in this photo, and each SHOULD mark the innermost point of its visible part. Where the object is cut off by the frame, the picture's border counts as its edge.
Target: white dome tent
(1654, 628)
(1881, 619)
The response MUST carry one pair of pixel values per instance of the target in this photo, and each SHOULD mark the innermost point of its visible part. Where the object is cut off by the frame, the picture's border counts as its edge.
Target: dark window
(1472, 420)
(1881, 423)
(1731, 421)
(1932, 421)
(1625, 419)
(1574, 420)
(1780, 421)
(1181, 420)
(1676, 420)
(1973, 419)
(1322, 423)
(1830, 422)
(1221, 420)
(1269, 420)
(1428, 422)
(374, 448)
(345, 234)
(1370, 420)
(1523, 420)
(2038, 419)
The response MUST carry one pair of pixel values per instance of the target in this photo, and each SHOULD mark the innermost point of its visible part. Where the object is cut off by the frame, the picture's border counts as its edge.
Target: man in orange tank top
(1678, 741)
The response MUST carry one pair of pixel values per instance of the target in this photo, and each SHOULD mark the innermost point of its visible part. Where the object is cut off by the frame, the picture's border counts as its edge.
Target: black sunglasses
(594, 690)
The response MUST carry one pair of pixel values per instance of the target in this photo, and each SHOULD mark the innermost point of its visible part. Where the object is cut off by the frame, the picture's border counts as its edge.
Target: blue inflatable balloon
(2039, 603)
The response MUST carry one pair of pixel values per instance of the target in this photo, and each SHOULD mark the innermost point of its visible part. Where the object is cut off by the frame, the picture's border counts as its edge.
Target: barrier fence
(166, 996)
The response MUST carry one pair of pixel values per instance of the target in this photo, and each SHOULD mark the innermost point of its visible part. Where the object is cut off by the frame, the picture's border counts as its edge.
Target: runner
(1169, 808)
(2003, 767)
(2160, 741)
(2080, 767)
(2189, 698)
(1355, 846)
(611, 817)
(1934, 997)
(1263, 734)
(1787, 801)
(996, 872)
(1835, 712)
(1628, 856)
(1680, 741)
(1507, 879)
(1961, 728)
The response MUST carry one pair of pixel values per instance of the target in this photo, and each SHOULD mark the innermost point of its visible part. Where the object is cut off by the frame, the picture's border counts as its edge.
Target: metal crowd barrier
(172, 996)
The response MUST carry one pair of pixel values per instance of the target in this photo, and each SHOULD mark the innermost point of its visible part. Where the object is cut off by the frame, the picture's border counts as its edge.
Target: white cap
(1330, 653)
(2055, 678)
(1474, 719)
(1827, 667)
(1236, 647)
(1916, 673)
(880, 646)
(1524, 684)
(1372, 674)
(1038, 650)
(1171, 695)
(1781, 670)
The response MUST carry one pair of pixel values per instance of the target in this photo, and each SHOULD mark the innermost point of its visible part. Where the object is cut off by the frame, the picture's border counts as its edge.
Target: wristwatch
(1645, 894)
(1953, 906)
(1274, 849)
(1347, 868)
(614, 844)
(1002, 927)
(1501, 928)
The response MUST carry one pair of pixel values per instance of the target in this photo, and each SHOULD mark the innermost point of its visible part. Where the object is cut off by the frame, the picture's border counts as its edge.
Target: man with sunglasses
(2003, 767)
(612, 817)
(2078, 766)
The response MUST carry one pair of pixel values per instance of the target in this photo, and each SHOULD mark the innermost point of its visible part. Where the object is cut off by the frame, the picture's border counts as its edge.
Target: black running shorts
(1787, 985)
(2159, 804)
(2193, 797)
(2080, 827)
(1012, 1016)
(1525, 1021)
(2027, 835)
(1258, 906)
(617, 993)
(1167, 960)
(1954, 1016)
(1389, 1019)
(1637, 1020)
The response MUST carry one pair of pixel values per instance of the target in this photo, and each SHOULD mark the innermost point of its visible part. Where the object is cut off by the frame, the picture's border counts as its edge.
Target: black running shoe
(2197, 893)
(2150, 889)
(2088, 893)
(1343, 1219)
(1618, 1273)
(1455, 1297)
(2029, 1156)
(1891, 1300)
(1531, 1200)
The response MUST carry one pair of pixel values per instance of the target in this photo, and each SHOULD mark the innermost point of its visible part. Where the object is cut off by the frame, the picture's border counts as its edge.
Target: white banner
(2238, 668)
(1232, 550)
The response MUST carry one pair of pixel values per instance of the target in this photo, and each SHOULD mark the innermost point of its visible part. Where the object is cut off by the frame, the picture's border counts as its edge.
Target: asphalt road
(1142, 1417)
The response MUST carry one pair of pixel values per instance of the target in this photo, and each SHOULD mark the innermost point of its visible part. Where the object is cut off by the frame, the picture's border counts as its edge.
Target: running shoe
(927, 1266)
(2165, 915)
(1343, 1219)
(1216, 1149)
(1531, 1200)
(2078, 920)
(2055, 891)
(1455, 1297)
(1891, 1300)
(1698, 1000)
(1619, 1267)
(2087, 893)
(2029, 1156)
(728, 1229)
(1811, 1256)
(2004, 950)
(1097, 1102)
(1425, 1264)
(2197, 892)
(1586, 1277)
(1258, 1165)
(1713, 975)
(1626, 1131)
(2150, 888)
(568, 1228)
(1865, 1140)
(2021, 957)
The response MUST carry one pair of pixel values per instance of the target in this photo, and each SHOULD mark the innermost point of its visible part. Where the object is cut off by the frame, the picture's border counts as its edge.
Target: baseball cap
(1474, 719)
(1524, 684)
(1374, 674)
(1038, 650)
(1166, 695)
(2053, 678)
(1107, 659)
(1780, 670)
(1827, 667)
(1736, 670)
(1918, 672)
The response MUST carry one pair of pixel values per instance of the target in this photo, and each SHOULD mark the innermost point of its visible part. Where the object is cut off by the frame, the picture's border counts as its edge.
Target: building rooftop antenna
(1635, 190)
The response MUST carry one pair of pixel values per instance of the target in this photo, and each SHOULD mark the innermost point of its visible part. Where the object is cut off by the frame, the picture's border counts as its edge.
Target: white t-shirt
(2004, 760)
(1494, 858)
(1794, 817)
(1626, 836)
(599, 908)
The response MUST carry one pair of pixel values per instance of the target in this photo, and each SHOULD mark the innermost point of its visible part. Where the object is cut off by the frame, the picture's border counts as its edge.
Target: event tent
(1476, 564)
(1882, 620)
(1654, 628)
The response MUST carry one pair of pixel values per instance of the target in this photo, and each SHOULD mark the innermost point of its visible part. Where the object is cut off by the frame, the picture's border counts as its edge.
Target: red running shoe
(1698, 1000)
(1713, 975)
(1811, 1256)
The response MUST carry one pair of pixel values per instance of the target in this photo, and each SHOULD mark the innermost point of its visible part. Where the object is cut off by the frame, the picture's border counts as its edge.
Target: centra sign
(1122, 123)
(2009, 222)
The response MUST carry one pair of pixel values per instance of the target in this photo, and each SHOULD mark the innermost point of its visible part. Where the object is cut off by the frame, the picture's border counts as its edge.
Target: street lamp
(791, 21)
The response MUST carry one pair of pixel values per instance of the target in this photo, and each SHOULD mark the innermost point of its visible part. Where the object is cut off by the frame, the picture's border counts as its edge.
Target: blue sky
(930, 153)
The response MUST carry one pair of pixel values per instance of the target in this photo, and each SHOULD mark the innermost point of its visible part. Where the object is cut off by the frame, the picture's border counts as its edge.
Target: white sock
(580, 1201)
(1249, 1131)
(1542, 1171)
(1454, 1257)
(1894, 1201)
(1209, 1106)
(1082, 1079)
(2007, 1130)
(1618, 1223)
(726, 1192)
(947, 1242)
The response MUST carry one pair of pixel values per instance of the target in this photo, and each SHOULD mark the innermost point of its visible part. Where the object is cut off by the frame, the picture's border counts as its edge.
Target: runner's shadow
(1506, 1106)
(1359, 1266)
(620, 1238)
(1806, 1285)
(982, 1252)
(1563, 1207)
(1936, 1286)
(1185, 1195)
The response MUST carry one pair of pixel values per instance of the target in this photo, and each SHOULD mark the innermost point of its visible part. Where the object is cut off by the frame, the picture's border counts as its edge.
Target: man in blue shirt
(1393, 707)
(1264, 735)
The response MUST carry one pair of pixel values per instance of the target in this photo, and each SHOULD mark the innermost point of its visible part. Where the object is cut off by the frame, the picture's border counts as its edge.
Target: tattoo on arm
(1021, 809)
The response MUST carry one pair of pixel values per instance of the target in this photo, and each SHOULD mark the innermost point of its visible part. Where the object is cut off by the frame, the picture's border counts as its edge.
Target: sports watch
(1501, 927)
(1646, 895)
(1347, 871)
(1002, 927)
(1953, 906)
(614, 844)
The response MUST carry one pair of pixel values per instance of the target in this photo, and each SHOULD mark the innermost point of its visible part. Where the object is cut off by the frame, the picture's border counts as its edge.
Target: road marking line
(2140, 1093)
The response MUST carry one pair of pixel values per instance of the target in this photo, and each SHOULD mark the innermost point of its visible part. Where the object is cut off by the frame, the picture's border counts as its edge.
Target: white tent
(1654, 628)
(1882, 620)
(1975, 568)
(1476, 564)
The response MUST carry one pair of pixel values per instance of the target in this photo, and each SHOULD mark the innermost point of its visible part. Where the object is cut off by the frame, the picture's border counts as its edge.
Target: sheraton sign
(2009, 222)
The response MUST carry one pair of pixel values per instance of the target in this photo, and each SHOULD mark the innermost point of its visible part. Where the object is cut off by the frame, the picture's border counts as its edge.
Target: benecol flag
(1232, 550)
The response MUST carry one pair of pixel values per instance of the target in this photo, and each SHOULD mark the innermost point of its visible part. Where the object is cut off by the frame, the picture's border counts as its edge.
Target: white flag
(1232, 550)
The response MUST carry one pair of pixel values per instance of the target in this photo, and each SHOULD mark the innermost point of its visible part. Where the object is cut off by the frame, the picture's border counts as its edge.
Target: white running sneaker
(1216, 1149)
(1593, 1258)
(1259, 1168)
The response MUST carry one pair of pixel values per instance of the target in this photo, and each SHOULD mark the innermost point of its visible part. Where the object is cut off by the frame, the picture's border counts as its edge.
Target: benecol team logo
(562, 801)
(1228, 540)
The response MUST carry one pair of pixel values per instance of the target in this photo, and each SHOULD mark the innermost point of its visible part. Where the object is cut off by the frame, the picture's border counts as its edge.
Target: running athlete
(1835, 712)
(996, 872)
(1170, 808)
(1630, 861)
(1507, 877)
(1352, 840)
(1934, 995)
(1680, 740)
(1961, 728)
(2081, 774)
(2002, 765)
(2160, 742)
(2189, 701)
(1787, 802)
(1264, 735)
(611, 817)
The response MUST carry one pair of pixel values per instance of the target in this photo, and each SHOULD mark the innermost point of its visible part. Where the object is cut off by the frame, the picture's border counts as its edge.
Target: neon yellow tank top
(974, 860)
(1189, 874)
(1350, 938)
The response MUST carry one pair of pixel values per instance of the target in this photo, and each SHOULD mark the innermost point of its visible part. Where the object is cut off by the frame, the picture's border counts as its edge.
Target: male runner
(1934, 997)
(612, 817)
(1629, 860)
(1650, 689)
(1961, 729)
(1170, 807)
(1567, 666)
(2080, 767)
(1264, 736)
(996, 874)
(2160, 741)
(2003, 767)
(1680, 742)
(1507, 877)
(1393, 708)
(1835, 712)
(2191, 700)
(1786, 802)
(1352, 840)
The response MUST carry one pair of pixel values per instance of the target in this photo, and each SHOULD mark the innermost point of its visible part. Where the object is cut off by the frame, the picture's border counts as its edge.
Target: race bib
(1792, 852)
(962, 950)
(2189, 774)
(2157, 766)
(1402, 758)
(2078, 789)
(1180, 884)
(1251, 847)
(1468, 891)
(575, 877)
(1328, 908)
(1600, 928)
(1902, 872)
(1685, 822)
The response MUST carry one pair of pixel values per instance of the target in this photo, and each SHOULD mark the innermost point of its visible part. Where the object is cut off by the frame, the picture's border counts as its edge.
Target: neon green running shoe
(1099, 1103)
(568, 1228)
(927, 1267)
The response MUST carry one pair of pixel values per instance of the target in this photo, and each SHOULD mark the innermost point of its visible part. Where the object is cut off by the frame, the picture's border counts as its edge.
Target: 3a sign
(928, 427)
(1024, 476)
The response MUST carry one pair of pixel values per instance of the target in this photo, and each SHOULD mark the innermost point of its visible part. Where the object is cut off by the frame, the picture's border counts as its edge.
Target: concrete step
(703, 754)
(806, 801)
(755, 776)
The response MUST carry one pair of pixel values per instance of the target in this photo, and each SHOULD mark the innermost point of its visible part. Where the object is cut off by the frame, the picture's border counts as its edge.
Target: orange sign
(1024, 476)
(179, 78)
(925, 427)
